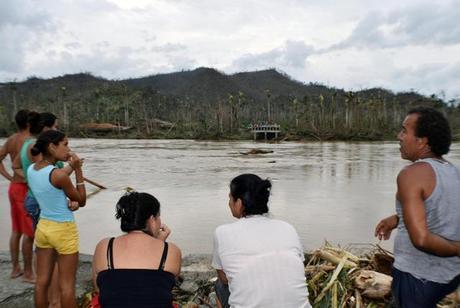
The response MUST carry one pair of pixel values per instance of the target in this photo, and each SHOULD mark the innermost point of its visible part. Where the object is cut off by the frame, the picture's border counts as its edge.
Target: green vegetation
(207, 104)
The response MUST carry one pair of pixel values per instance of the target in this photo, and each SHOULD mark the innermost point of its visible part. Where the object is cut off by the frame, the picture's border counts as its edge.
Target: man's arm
(3, 154)
(413, 183)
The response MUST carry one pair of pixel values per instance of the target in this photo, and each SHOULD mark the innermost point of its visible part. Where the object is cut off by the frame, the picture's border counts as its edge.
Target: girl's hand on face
(73, 205)
(74, 161)
(163, 233)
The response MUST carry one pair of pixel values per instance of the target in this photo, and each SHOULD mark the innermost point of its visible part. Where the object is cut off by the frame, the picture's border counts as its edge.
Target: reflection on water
(331, 190)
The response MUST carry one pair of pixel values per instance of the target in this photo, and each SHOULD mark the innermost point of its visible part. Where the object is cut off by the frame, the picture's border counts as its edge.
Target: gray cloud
(73, 45)
(169, 47)
(430, 78)
(22, 13)
(117, 63)
(109, 61)
(128, 39)
(292, 55)
(21, 25)
(415, 25)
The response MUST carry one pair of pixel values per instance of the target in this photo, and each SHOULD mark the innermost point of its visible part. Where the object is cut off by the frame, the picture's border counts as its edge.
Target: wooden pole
(94, 183)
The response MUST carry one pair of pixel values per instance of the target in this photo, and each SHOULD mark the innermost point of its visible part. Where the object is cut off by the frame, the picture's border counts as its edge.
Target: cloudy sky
(351, 44)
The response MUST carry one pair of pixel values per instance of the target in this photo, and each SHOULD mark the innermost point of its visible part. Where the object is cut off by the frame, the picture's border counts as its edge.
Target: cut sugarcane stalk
(341, 252)
(334, 295)
(331, 257)
(333, 278)
(375, 285)
(359, 300)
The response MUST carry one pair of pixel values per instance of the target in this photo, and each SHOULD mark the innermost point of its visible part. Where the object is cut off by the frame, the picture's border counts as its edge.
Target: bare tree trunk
(15, 104)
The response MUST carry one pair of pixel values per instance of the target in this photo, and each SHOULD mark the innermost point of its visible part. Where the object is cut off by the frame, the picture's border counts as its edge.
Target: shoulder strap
(110, 254)
(49, 176)
(163, 257)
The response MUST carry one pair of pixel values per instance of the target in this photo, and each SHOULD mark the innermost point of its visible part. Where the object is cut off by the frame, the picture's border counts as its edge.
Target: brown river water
(327, 190)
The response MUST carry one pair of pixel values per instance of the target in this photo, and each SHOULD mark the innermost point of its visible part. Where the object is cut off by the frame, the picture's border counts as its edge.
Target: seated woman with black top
(137, 269)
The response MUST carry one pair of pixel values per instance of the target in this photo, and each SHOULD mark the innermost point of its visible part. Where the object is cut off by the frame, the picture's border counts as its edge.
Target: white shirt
(263, 261)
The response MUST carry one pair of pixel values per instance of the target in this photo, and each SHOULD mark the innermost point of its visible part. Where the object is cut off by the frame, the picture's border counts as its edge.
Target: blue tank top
(26, 162)
(53, 201)
(442, 210)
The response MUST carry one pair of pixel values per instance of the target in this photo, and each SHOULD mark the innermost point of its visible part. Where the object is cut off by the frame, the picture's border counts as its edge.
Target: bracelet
(82, 183)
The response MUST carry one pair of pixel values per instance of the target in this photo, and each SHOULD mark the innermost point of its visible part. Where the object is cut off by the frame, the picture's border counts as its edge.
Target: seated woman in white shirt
(259, 260)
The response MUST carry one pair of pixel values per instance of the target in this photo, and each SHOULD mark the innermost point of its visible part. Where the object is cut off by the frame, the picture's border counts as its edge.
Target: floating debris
(256, 151)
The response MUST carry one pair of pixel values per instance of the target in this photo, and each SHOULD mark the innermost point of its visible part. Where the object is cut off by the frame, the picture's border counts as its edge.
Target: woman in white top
(259, 260)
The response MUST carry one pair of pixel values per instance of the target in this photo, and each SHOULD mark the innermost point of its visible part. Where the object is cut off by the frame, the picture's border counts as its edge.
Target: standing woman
(56, 235)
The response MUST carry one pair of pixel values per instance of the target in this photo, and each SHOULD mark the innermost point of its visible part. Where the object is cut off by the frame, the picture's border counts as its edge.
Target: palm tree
(64, 103)
(268, 94)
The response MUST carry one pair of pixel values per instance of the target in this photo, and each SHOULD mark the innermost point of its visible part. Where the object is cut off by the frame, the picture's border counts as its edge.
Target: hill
(206, 103)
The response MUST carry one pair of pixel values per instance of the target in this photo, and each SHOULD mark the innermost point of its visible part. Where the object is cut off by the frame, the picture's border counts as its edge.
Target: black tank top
(135, 287)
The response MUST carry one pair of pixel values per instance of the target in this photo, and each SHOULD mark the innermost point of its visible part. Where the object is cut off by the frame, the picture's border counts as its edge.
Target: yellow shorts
(61, 236)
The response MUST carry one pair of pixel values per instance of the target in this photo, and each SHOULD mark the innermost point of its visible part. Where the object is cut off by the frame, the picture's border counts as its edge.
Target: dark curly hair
(47, 119)
(21, 118)
(134, 208)
(433, 125)
(33, 119)
(253, 192)
(45, 139)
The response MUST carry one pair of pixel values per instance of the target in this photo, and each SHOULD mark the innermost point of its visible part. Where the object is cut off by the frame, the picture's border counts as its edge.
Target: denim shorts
(33, 209)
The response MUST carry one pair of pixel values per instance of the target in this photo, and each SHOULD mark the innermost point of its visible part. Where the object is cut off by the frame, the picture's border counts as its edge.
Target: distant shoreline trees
(205, 104)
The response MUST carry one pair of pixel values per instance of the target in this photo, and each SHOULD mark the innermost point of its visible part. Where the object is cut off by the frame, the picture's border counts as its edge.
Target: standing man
(20, 221)
(427, 245)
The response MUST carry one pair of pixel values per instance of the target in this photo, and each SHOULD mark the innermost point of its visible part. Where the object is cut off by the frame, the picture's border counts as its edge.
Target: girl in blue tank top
(56, 235)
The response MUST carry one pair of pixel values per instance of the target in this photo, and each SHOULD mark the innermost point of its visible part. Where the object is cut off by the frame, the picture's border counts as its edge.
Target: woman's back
(136, 270)
(262, 259)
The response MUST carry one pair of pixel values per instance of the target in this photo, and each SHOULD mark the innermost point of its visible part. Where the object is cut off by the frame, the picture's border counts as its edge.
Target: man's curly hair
(433, 125)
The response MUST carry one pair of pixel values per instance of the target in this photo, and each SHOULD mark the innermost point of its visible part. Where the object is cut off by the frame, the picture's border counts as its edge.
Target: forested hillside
(205, 103)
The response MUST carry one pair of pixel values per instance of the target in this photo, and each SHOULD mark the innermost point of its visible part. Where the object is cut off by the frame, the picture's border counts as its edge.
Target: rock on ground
(14, 293)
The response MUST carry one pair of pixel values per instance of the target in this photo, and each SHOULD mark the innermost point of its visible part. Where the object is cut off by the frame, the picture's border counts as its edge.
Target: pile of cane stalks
(338, 278)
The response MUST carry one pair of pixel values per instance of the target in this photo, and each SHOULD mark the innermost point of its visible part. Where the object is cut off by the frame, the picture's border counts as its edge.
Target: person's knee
(67, 292)
(66, 287)
(41, 284)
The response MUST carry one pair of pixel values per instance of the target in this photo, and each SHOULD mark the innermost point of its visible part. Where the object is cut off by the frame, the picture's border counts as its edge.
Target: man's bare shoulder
(418, 174)
(8, 146)
(11, 138)
(417, 169)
